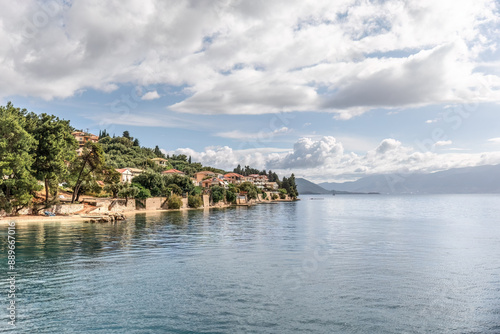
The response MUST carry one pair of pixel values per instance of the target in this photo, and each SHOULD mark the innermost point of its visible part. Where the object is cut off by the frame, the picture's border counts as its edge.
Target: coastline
(69, 218)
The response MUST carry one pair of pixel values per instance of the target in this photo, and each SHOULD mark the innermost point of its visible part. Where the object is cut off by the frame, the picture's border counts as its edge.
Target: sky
(328, 90)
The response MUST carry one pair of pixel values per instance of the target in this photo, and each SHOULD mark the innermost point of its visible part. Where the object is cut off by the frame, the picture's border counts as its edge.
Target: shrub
(230, 197)
(195, 201)
(143, 192)
(264, 195)
(274, 197)
(174, 202)
(217, 193)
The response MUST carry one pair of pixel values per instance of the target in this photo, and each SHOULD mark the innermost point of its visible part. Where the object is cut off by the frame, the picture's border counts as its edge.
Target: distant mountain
(469, 180)
(306, 187)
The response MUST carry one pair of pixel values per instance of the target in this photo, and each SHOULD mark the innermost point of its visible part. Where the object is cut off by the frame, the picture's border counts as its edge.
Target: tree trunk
(46, 191)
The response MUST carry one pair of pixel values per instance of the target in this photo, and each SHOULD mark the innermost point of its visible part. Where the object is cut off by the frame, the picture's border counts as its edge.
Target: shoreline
(68, 218)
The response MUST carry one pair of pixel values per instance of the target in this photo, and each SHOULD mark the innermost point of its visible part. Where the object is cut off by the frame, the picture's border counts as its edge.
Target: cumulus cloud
(151, 96)
(241, 57)
(325, 159)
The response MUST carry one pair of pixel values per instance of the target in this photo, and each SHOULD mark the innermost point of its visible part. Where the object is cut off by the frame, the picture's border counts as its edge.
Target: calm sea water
(344, 264)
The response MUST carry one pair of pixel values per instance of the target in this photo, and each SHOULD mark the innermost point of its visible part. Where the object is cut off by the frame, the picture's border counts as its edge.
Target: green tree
(91, 160)
(152, 181)
(128, 191)
(174, 202)
(230, 197)
(195, 201)
(126, 134)
(174, 189)
(217, 193)
(143, 192)
(250, 188)
(17, 184)
(55, 147)
(282, 193)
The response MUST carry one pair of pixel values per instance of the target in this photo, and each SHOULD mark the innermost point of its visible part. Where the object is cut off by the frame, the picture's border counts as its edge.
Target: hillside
(306, 187)
(469, 180)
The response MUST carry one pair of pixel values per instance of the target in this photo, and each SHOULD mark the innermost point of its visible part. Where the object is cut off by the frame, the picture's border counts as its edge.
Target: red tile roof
(172, 171)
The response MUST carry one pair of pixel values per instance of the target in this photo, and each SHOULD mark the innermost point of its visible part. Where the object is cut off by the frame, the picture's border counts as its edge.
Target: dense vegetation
(38, 152)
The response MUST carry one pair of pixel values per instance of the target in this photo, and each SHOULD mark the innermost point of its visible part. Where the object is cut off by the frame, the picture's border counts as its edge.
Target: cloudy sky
(331, 90)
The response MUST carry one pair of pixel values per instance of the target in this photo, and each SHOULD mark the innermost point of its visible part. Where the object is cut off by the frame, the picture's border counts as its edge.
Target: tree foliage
(55, 148)
(17, 183)
(86, 166)
(174, 202)
(195, 201)
(217, 193)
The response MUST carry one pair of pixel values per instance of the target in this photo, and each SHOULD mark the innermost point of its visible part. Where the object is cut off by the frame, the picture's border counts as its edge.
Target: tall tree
(17, 185)
(91, 160)
(126, 134)
(55, 149)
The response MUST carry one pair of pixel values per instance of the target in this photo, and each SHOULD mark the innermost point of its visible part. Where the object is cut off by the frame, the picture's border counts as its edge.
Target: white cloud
(243, 57)
(443, 143)
(325, 159)
(150, 96)
(494, 140)
(249, 136)
(430, 121)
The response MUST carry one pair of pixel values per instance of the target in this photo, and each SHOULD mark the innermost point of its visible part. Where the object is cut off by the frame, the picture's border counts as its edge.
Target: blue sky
(329, 91)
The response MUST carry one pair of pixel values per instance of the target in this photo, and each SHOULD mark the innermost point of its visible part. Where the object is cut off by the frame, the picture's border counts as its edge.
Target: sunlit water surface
(344, 264)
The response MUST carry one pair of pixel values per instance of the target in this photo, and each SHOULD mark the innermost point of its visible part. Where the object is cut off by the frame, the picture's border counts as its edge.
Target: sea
(324, 264)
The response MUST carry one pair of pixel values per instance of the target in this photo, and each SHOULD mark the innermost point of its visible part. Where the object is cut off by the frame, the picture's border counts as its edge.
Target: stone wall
(113, 206)
(206, 201)
(155, 203)
(184, 203)
(65, 209)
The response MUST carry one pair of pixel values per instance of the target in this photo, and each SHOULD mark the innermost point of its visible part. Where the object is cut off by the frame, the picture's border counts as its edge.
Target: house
(82, 138)
(172, 171)
(215, 181)
(258, 180)
(135, 171)
(234, 178)
(200, 176)
(160, 161)
(126, 175)
(271, 185)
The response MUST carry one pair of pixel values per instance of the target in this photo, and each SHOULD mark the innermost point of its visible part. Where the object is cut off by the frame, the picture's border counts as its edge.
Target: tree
(136, 142)
(195, 201)
(250, 188)
(55, 147)
(158, 152)
(91, 160)
(126, 134)
(183, 182)
(174, 189)
(128, 191)
(282, 193)
(230, 197)
(17, 184)
(143, 192)
(174, 202)
(217, 193)
(154, 182)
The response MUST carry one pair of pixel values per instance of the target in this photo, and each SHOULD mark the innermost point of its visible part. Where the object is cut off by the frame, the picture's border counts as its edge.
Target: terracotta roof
(205, 172)
(121, 170)
(172, 171)
(233, 175)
